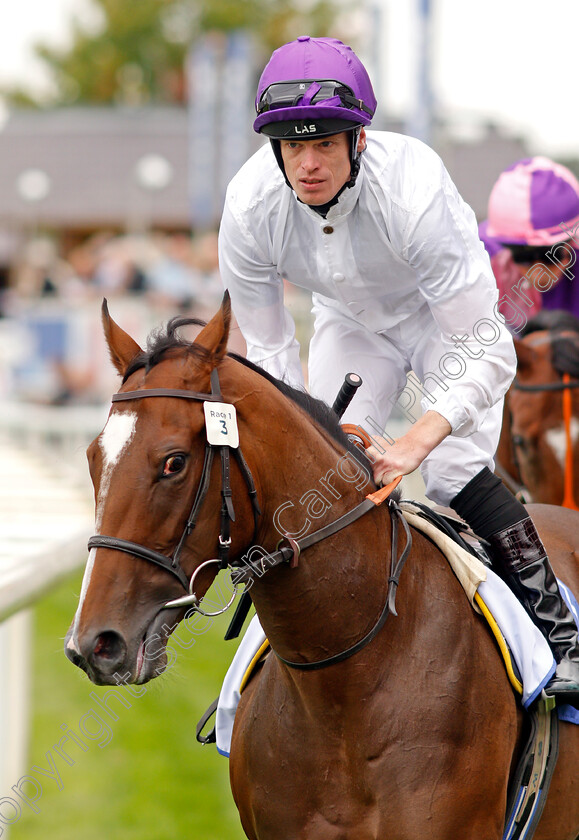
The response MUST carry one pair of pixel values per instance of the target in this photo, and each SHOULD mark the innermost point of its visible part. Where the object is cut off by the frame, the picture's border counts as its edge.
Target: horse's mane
(551, 319)
(166, 341)
(564, 330)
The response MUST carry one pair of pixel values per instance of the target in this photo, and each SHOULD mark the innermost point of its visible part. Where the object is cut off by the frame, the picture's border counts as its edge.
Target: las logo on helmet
(306, 129)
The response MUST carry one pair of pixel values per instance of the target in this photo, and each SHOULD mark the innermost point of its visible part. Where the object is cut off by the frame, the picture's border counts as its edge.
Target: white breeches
(340, 345)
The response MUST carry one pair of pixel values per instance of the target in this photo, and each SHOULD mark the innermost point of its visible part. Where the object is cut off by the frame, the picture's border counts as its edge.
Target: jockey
(373, 226)
(533, 229)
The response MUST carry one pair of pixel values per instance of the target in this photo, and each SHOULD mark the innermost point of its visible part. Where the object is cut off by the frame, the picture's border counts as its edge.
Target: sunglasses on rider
(529, 254)
(289, 94)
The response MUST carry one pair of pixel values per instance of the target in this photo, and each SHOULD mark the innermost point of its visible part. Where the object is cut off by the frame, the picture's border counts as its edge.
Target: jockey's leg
(520, 558)
(339, 346)
(459, 473)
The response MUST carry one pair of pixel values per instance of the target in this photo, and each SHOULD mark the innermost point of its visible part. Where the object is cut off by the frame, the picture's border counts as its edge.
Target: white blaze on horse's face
(114, 440)
(557, 440)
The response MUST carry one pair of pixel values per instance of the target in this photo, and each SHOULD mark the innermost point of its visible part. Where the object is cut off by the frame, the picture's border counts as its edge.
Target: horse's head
(544, 427)
(151, 475)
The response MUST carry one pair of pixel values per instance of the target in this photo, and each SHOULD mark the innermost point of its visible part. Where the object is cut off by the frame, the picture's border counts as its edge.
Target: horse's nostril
(109, 646)
(100, 655)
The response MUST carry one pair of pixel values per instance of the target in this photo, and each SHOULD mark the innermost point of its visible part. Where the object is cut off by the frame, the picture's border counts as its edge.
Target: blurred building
(476, 161)
(83, 169)
(79, 170)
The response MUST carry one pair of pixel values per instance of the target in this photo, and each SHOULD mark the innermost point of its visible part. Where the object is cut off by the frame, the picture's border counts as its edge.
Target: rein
(286, 554)
(396, 567)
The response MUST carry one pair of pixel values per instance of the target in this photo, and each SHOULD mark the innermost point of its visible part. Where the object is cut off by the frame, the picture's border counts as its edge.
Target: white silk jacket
(401, 238)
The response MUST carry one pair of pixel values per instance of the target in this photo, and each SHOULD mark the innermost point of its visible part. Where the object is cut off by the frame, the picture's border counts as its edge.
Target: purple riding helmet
(314, 87)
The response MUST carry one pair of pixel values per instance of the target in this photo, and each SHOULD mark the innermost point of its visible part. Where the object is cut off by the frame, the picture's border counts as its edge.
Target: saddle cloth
(526, 645)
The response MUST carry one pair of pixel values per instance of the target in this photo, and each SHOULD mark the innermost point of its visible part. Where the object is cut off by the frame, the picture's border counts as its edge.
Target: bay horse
(414, 735)
(538, 452)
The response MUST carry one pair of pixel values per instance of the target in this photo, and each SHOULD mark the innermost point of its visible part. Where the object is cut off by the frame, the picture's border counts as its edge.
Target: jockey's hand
(407, 453)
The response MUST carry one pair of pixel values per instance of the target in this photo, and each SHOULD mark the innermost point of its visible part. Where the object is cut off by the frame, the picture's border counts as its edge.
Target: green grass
(152, 780)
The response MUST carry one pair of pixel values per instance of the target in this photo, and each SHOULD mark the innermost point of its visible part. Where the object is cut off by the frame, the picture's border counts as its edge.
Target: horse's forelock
(565, 354)
(166, 341)
(561, 329)
(551, 320)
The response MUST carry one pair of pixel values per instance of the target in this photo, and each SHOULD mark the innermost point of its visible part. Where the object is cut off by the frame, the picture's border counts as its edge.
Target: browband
(166, 392)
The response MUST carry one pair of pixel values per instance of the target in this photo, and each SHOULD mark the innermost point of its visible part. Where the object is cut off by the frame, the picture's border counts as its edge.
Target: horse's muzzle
(110, 657)
(103, 657)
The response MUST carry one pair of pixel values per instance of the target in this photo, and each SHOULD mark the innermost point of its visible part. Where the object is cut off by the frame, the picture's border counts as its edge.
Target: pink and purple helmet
(534, 202)
(313, 87)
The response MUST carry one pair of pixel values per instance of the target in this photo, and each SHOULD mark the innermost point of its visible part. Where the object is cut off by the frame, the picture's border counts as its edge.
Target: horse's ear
(526, 356)
(122, 347)
(215, 335)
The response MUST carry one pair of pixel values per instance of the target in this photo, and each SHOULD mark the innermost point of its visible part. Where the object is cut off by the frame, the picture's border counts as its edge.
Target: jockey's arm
(257, 296)
(408, 452)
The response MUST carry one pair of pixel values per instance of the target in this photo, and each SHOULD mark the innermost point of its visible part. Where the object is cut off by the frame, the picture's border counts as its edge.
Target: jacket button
(328, 229)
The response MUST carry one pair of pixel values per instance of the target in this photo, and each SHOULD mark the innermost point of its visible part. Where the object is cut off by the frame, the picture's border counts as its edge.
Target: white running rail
(46, 517)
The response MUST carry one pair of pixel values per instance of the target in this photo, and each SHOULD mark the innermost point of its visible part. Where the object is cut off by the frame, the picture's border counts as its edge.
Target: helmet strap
(354, 155)
(276, 146)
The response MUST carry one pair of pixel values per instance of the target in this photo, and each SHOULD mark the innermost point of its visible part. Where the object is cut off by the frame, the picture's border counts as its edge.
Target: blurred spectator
(9, 244)
(118, 270)
(185, 273)
(171, 278)
(205, 255)
(51, 344)
(84, 260)
(40, 271)
(531, 235)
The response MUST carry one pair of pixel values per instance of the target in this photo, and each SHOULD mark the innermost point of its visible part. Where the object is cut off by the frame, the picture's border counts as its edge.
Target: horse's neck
(332, 598)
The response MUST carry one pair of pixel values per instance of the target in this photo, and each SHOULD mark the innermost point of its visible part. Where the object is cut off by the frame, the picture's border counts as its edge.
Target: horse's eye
(174, 464)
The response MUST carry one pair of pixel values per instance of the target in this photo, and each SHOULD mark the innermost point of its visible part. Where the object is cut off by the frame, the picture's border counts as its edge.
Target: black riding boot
(524, 565)
(520, 558)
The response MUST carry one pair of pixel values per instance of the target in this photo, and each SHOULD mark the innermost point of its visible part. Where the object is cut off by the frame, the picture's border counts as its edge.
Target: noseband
(566, 385)
(172, 563)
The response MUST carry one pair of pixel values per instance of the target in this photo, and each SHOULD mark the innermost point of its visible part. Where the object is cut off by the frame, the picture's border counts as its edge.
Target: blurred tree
(134, 53)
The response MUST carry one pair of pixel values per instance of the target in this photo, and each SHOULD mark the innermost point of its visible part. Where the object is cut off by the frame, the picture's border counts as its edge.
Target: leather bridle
(172, 563)
(284, 554)
(566, 385)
